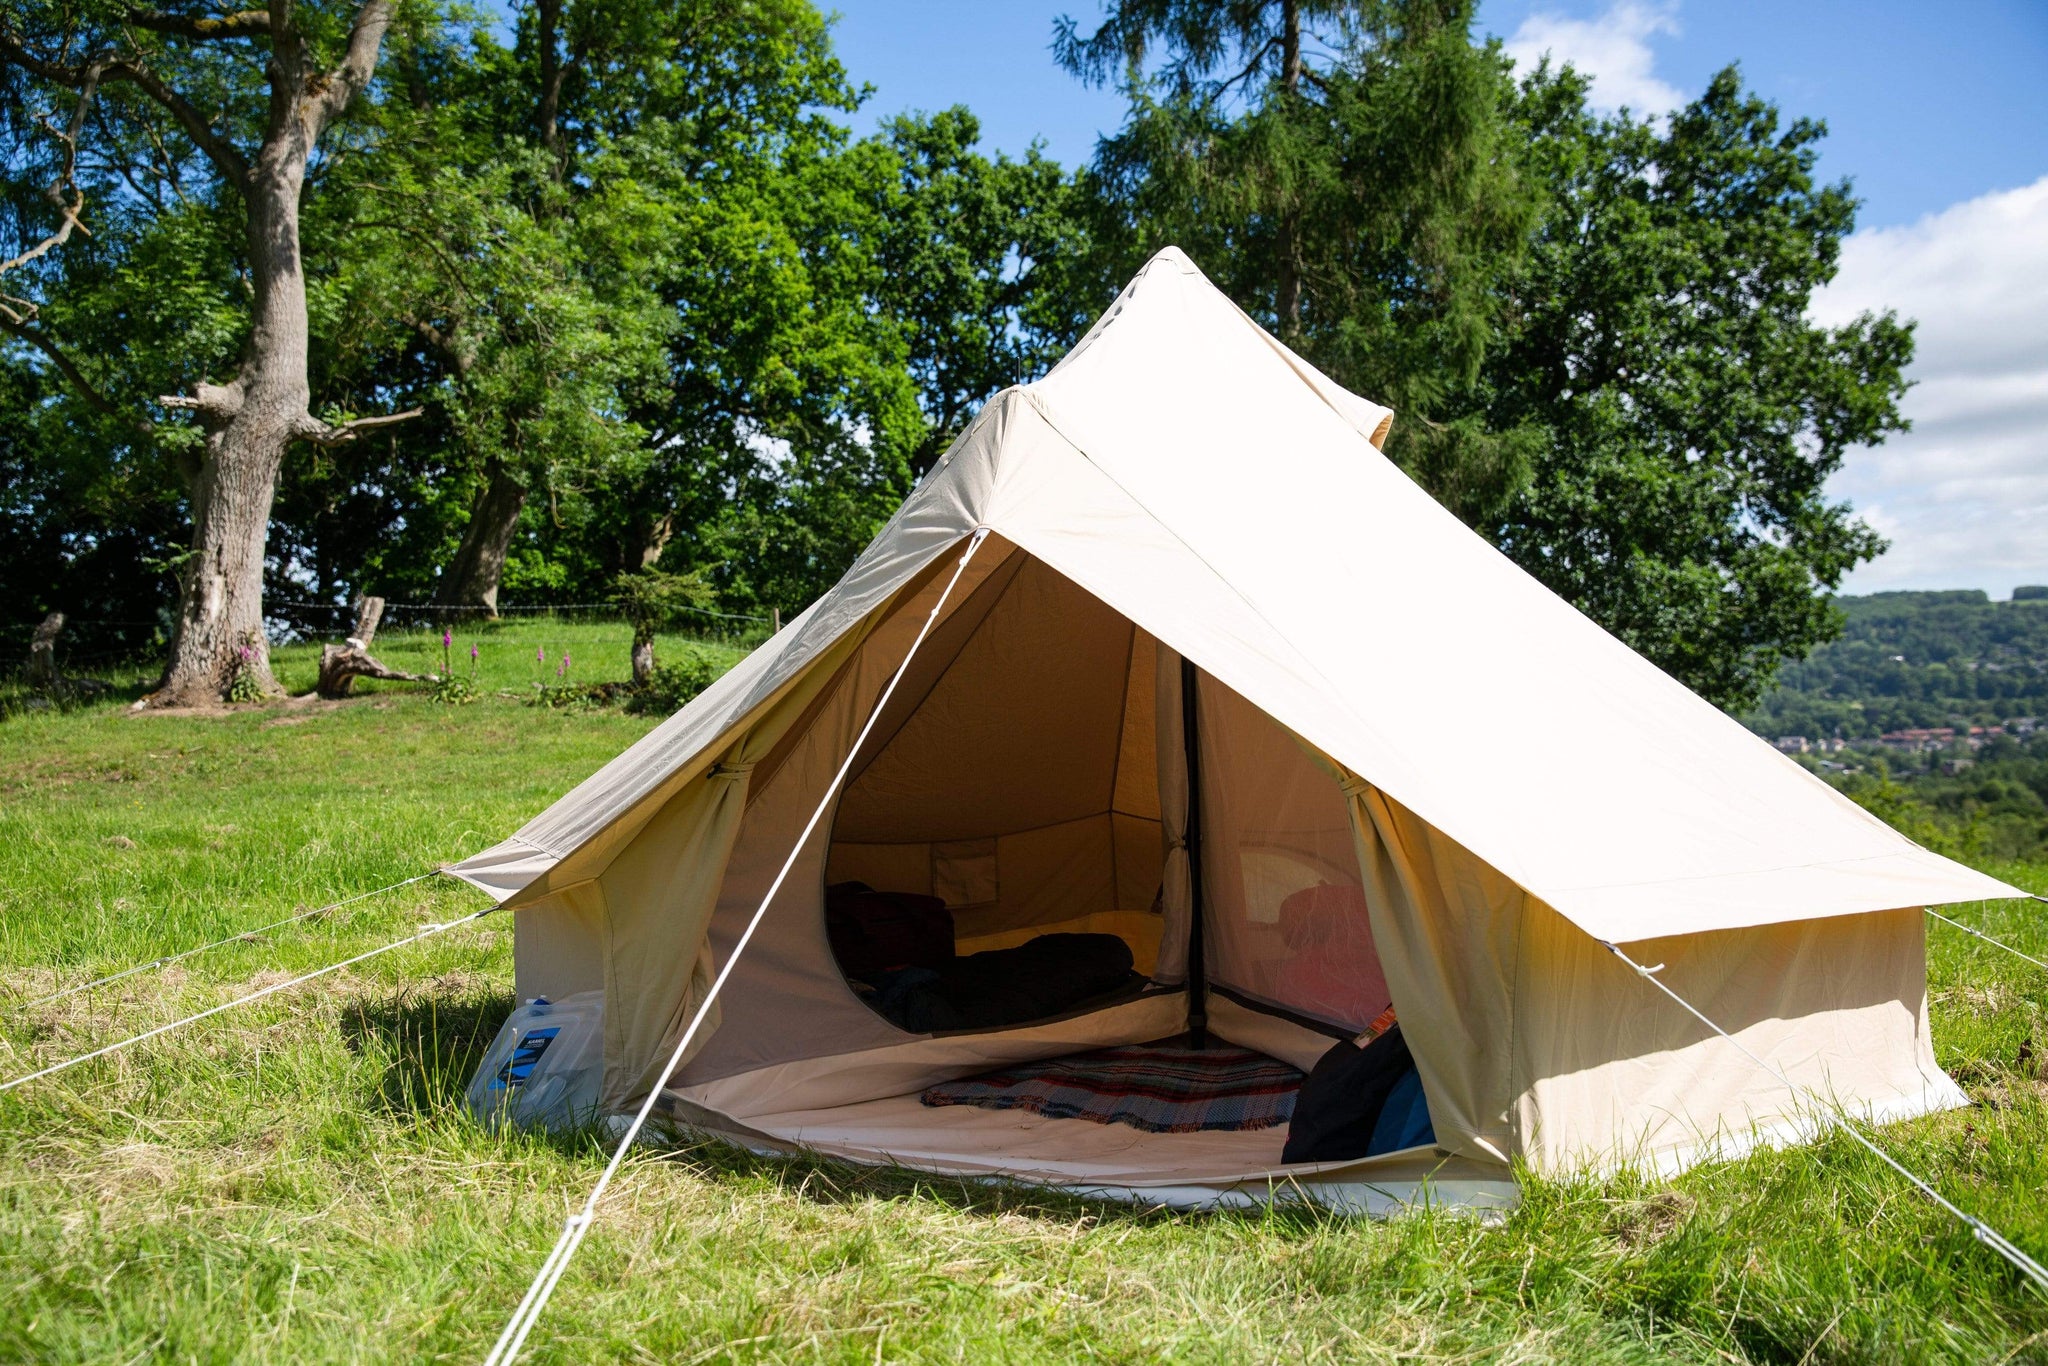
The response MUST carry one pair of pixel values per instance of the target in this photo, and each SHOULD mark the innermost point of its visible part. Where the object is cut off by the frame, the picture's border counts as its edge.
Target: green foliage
(247, 682)
(973, 255)
(455, 690)
(1593, 331)
(684, 321)
(1691, 414)
(1362, 198)
(1907, 810)
(1915, 660)
(688, 672)
(652, 600)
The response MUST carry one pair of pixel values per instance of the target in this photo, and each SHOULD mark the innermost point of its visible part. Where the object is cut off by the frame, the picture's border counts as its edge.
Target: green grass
(296, 1181)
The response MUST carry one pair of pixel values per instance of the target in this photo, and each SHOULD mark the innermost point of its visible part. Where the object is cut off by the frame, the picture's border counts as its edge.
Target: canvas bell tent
(1213, 713)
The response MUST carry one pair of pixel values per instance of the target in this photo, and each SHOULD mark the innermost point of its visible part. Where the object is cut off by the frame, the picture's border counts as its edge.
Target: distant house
(1919, 738)
(1793, 744)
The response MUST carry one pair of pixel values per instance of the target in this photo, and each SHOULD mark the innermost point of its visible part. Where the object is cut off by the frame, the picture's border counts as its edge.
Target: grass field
(296, 1180)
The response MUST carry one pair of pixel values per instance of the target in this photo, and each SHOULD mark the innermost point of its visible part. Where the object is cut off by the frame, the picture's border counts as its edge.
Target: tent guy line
(424, 932)
(168, 959)
(1988, 939)
(1980, 1230)
(506, 1349)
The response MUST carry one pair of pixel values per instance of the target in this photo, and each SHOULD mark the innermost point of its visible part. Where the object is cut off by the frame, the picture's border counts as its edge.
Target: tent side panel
(1447, 929)
(658, 895)
(1620, 1075)
(1285, 911)
(788, 999)
(558, 944)
(661, 890)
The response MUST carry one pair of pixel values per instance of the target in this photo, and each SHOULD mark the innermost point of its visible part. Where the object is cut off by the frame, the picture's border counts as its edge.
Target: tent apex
(1175, 258)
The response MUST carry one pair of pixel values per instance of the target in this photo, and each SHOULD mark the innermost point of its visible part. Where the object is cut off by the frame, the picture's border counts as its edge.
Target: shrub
(690, 672)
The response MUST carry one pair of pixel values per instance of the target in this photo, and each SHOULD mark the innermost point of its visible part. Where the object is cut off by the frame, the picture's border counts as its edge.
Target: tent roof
(1197, 476)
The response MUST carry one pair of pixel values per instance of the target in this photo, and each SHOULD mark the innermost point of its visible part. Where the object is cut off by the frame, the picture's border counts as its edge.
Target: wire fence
(90, 643)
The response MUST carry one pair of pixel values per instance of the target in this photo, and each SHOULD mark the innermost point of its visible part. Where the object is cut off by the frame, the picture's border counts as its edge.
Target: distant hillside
(1916, 660)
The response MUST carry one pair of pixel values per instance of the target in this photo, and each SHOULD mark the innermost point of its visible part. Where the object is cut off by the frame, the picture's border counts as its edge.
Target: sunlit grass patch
(296, 1180)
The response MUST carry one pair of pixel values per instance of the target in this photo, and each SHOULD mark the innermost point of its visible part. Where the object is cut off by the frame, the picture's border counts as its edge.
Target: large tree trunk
(250, 421)
(472, 576)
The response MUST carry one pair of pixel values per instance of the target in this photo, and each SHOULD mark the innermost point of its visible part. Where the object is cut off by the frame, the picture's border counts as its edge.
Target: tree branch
(341, 433)
(1258, 60)
(110, 67)
(358, 63)
(202, 29)
(225, 156)
(16, 324)
(64, 191)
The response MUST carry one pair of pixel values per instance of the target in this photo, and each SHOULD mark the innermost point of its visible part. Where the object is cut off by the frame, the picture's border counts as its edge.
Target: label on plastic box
(519, 1066)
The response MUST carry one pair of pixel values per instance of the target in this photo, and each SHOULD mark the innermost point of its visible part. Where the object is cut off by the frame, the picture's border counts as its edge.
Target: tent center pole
(1198, 979)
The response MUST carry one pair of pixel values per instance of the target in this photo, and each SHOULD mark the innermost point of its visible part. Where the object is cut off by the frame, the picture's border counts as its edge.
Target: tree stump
(42, 654)
(342, 665)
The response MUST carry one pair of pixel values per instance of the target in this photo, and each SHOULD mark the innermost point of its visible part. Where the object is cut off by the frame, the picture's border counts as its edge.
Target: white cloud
(1613, 50)
(1964, 495)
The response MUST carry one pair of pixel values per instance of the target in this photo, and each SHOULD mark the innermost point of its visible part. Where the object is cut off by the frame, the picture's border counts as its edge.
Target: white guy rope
(506, 1349)
(1982, 1231)
(188, 953)
(1988, 939)
(424, 932)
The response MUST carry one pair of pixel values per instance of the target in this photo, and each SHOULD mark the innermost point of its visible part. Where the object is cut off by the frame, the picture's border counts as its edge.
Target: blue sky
(1938, 113)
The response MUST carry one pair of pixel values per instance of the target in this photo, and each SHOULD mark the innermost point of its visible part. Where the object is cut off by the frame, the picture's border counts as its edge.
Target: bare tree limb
(64, 191)
(238, 25)
(341, 433)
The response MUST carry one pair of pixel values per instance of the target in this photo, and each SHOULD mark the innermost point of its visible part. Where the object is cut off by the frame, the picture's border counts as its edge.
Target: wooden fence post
(42, 654)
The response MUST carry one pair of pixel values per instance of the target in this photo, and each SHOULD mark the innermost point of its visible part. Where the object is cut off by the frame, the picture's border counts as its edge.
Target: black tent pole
(1198, 979)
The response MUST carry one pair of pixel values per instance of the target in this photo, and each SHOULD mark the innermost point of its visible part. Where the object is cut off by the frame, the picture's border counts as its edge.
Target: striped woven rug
(1163, 1088)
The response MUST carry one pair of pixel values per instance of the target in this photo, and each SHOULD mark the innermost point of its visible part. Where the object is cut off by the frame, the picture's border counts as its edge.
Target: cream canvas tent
(1185, 511)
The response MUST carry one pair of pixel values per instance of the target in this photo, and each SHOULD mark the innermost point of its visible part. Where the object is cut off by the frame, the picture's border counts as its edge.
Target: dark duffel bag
(1340, 1102)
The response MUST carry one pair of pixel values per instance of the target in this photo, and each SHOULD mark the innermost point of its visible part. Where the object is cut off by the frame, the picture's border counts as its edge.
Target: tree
(778, 423)
(180, 99)
(973, 253)
(1593, 330)
(1690, 412)
(651, 601)
(1348, 172)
